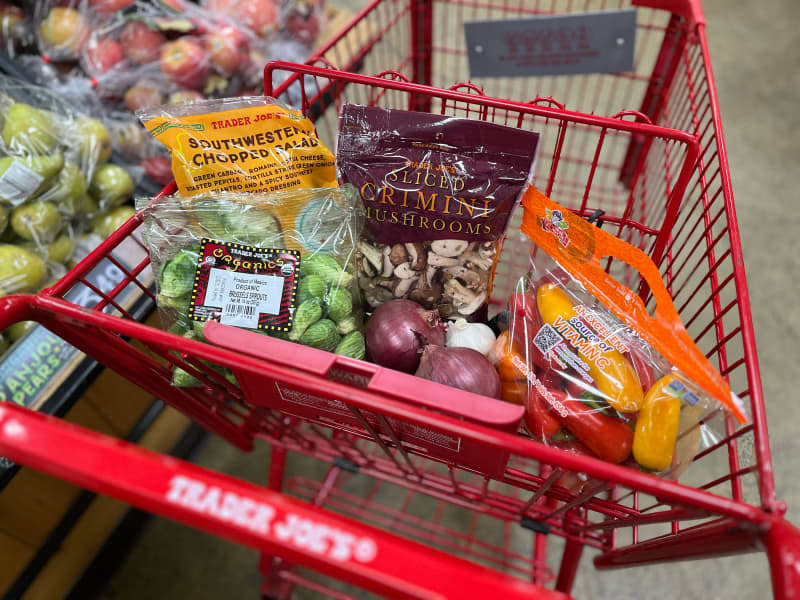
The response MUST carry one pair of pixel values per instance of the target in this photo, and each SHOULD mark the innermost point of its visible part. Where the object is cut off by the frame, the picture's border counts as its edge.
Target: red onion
(397, 332)
(462, 368)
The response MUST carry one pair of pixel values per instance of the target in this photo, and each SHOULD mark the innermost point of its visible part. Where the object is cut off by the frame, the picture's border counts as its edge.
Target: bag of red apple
(591, 365)
(438, 192)
(152, 55)
(245, 144)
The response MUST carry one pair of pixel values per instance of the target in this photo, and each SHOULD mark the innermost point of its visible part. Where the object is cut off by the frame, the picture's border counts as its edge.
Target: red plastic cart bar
(248, 514)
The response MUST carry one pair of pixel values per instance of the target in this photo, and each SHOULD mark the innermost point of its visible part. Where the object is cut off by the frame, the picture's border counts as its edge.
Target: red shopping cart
(643, 146)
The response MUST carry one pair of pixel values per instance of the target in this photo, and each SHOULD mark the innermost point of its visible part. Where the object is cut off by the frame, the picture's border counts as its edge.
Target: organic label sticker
(245, 286)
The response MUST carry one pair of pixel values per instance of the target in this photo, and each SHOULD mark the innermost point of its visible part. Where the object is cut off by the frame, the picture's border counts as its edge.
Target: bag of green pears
(281, 264)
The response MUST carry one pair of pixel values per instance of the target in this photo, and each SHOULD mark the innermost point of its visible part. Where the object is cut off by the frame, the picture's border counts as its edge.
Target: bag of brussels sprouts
(281, 264)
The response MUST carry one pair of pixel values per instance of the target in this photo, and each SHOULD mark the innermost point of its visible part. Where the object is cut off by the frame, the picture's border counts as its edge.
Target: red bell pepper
(609, 438)
(540, 422)
(524, 321)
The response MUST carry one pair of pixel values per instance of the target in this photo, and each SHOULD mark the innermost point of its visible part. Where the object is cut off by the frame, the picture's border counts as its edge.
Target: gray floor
(755, 52)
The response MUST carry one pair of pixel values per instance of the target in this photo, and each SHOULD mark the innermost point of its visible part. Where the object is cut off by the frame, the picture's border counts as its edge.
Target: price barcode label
(234, 314)
(18, 183)
(245, 286)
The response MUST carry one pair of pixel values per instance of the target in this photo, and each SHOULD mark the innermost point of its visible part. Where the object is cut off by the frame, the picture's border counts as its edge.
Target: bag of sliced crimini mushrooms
(438, 193)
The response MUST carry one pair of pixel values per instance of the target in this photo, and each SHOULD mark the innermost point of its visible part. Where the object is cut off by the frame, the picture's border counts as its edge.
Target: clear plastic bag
(438, 193)
(248, 144)
(282, 264)
(55, 177)
(590, 364)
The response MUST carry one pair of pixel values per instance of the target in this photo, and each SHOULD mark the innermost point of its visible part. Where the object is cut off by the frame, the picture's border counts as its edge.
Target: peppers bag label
(245, 286)
(255, 144)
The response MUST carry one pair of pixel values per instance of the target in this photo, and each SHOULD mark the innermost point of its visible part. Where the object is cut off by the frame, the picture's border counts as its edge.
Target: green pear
(37, 221)
(107, 223)
(87, 206)
(19, 184)
(111, 185)
(3, 344)
(91, 140)
(29, 130)
(68, 190)
(3, 218)
(59, 250)
(21, 270)
(17, 330)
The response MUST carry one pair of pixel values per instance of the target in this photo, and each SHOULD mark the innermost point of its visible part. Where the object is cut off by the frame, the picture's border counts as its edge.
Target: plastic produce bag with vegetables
(588, 361)
(281, 264)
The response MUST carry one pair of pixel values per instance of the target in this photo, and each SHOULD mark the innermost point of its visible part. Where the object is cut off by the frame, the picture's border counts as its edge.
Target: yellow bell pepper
(613, 375)
(657, 425)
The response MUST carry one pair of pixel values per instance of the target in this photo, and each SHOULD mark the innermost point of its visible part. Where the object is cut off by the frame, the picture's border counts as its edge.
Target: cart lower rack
(655, 164)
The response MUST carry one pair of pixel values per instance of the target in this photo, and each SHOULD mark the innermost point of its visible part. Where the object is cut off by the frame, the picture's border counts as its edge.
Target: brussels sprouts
(340, 304)
(322, 335)
(352, 345)
(313, 286)
(321, 264)
(307, 313)
(349, 324)
(177, 275)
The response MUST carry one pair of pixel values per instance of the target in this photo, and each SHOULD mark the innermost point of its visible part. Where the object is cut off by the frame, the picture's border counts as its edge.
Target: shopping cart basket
(646, 148)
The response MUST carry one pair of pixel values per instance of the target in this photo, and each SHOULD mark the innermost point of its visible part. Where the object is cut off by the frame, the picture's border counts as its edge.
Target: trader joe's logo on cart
(245, 286)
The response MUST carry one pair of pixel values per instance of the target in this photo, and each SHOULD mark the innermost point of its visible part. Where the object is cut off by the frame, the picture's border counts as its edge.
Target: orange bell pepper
(510, 364)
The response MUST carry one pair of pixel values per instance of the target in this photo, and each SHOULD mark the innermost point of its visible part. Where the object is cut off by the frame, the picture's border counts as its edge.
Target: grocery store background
(755, 52)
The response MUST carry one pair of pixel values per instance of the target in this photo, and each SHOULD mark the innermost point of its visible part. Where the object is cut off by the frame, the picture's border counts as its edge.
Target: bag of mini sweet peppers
(590, 364)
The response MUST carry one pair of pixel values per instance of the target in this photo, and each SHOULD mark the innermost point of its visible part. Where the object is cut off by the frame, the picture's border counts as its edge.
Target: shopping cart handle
(247, 514)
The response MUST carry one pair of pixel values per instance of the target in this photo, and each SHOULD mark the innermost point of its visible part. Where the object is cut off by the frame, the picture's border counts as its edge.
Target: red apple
(102, 56)
(107, 7)
(64, 31)
(303, 22)
(140, 43)
(184, 96)
(227, 49)
(158, 168)
(258, 15)
(185, 62)
(143, 95)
